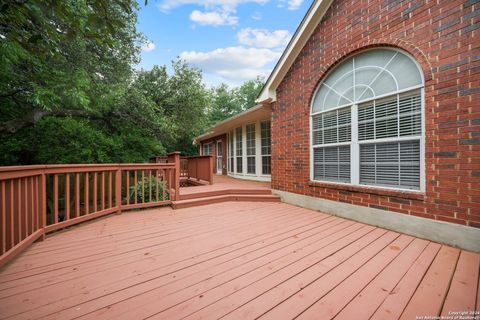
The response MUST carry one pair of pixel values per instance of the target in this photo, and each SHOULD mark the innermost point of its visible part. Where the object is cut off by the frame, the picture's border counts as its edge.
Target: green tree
(248, 92)
(229, 102)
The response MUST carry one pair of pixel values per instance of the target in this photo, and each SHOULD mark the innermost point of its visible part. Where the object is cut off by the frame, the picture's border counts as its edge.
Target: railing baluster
(110, 189)
(143, 186)
(19, 205)
(86, 191)
(12, 213)
(135, 184)
(156, 184)
(127, 178)
(55, 198)
(67, 197)
(4, 217)
(163, 185)
(95, 191)
(37, 204)
(102, 187)
(25, 203)
(32, 204)
(169, 184)
(118, 190)
(77, 194)
(149, 185)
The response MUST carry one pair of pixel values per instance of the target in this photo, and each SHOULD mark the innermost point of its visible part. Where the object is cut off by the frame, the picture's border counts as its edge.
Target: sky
(231, 41)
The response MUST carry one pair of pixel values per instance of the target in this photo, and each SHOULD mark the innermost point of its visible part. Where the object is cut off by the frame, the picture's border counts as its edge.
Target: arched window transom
(367, 122)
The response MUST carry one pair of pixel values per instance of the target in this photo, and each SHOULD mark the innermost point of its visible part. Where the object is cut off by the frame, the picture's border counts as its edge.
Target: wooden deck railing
(35, 200)
(194, 167)
(200, 168)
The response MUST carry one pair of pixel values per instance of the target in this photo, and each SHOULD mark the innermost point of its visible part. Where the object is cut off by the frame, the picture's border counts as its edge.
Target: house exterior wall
(444, 39)
(213, 141)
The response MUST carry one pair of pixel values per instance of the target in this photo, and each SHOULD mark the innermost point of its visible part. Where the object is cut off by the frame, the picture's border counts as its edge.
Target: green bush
(144, 197)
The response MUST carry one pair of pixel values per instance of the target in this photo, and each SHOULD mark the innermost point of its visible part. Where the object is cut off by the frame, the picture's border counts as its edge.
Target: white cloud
(291, 4)
(294, 4)
(263, 38)
(233, 63)
(148, 46)
(213, 18)
(226, 5)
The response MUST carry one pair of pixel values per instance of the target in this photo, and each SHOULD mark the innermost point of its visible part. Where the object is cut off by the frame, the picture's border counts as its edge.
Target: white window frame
(355, 143)
(209, 149)
(254, 156)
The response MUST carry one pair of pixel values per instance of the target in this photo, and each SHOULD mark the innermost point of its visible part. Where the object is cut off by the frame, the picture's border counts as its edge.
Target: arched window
(366, 122)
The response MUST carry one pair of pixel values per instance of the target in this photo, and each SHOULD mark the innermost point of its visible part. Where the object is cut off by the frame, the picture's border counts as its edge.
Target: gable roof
(312, 18)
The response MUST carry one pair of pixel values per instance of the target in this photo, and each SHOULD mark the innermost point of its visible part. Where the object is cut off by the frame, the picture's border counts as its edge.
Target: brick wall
(444, 37)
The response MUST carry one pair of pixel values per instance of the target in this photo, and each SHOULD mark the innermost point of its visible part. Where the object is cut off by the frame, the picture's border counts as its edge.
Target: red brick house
(376, 115)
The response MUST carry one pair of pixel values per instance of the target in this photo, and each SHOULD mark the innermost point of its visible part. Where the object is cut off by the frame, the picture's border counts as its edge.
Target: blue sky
(230, 40)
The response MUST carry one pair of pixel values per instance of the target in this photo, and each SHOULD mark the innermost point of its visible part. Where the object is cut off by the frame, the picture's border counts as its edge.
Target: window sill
(414, 195)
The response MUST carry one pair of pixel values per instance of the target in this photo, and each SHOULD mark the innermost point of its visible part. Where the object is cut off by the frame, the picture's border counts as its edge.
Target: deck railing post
(118, 190)
(174, 157)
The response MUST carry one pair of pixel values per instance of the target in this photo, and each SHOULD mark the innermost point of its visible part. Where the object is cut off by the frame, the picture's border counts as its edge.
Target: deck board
(234, 261)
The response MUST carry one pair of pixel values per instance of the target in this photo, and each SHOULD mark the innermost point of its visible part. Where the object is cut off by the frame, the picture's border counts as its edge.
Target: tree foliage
(228, 102)
(69, 93)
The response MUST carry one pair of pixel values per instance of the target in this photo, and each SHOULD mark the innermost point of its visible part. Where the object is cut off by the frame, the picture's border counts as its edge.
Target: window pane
(266, 138)
(395, 116)
(266, 166)
(231, 151)
(250, 139)
(239, 151)
(251, 165)
(332, 127)
(332, 164)
(239, 165)
(366, 75)
(394, 164)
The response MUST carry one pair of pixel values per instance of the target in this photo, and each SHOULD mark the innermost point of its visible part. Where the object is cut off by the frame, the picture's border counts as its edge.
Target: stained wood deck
(222, 183)
(236, 261)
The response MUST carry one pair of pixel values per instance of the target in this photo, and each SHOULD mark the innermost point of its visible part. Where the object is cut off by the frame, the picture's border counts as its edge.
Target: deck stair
(216, 196)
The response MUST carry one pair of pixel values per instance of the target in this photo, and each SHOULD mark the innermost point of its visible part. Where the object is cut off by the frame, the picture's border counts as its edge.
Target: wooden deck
(222, 183)
(236, 261)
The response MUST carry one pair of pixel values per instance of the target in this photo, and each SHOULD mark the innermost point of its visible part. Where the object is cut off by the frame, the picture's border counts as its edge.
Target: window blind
(396, 116)
(392, 164)
(332, 163)
(332, 127)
